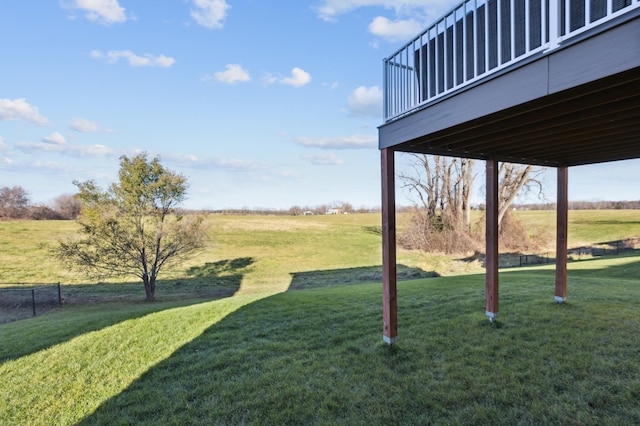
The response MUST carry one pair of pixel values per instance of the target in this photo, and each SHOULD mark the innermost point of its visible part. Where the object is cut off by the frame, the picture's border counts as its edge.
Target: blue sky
(260, 104)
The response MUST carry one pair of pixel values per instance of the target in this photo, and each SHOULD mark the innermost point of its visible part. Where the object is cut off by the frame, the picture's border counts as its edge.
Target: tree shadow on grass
(91, 307)
(346, 276)
(511, 259)
(221, 269)
(317, 358)
(247, 357)
(375, 230)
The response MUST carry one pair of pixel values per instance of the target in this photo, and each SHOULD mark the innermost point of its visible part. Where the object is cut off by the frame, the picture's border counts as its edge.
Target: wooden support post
(389, 280)
(561, 234)
(491, 260)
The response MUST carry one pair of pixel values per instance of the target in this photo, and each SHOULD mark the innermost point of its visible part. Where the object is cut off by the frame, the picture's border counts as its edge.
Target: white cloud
(104, 12)
(234, 73)
(19, 109)
(397, 30)
(55, 138)
(134, 60)
(410, 16)
(330, 9)
(31, 166)
(268, 78)
(193, 161)
(48, 167)
(72, 150)
(83, 125)
(209, 13)
(366, 102)
(299, 78)
(287, 173)
(5, 162)
(230, 163)
(345, 142)
(324, 159)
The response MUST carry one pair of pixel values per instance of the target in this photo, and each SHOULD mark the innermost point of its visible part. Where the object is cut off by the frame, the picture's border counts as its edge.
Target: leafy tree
(132, 228)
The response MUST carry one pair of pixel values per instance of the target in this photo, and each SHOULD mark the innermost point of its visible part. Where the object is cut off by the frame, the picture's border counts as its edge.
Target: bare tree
(14, 202)
(295, 211)
(444, 187)
(514, 178)
(347, 207)
(67, 205)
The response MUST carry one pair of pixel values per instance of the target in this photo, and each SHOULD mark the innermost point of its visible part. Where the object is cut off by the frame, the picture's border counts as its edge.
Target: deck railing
(478, 38)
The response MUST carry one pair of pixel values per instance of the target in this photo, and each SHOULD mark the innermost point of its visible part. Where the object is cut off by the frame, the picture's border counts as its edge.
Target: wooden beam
(491, 261)
(561, 234)
(389, 280)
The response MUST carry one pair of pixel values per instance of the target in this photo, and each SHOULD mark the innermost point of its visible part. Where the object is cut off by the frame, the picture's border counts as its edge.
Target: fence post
(59, 295)
(33, 301)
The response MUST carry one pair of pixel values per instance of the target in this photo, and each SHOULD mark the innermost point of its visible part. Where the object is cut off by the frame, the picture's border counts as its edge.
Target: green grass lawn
(300, 340)
(585, 226)
(262, 254)
(249, 255)
(316, 356)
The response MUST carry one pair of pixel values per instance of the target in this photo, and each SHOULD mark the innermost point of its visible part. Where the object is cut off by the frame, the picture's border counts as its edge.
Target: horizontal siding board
(597, 57)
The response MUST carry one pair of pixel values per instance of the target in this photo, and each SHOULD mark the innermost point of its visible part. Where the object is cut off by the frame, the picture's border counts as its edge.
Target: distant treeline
(15, 204)
(347, 209)
(334, 208)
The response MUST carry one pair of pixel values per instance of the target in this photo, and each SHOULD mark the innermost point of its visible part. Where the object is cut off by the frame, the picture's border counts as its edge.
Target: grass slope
(316, 357)
(249, 255)
(273, 354)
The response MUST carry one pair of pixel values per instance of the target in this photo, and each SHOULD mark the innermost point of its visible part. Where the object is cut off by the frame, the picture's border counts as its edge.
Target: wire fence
(610, 248)
(19, 300)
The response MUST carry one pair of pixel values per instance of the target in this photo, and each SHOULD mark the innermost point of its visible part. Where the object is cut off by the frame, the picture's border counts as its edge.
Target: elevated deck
(569, 101)
(544, 82)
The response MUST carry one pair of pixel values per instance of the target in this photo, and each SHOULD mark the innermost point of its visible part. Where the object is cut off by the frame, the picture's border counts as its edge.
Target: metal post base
(390, 340)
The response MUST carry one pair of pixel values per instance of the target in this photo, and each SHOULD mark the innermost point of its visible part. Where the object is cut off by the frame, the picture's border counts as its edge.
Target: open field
(263, 254)
(249, 254)
(300, 341)
(585, 226)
